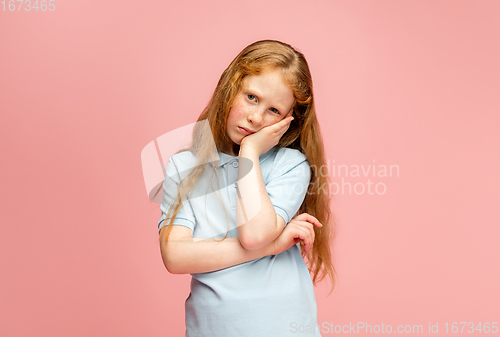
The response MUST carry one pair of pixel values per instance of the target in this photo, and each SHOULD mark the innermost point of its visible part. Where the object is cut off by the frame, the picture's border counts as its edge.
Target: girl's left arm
(256, 219)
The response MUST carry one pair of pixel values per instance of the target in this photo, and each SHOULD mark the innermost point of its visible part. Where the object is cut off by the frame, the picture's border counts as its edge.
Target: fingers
(312, 235)
(283, 123)
(287, 119)
(303, 234)
(309, 218)
(279, 128)
(304, 230)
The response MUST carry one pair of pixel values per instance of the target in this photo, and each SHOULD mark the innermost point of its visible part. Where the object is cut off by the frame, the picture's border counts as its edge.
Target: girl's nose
(256, 117)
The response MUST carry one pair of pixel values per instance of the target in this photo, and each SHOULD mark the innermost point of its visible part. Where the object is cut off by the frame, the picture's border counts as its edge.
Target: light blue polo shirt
(270, 296)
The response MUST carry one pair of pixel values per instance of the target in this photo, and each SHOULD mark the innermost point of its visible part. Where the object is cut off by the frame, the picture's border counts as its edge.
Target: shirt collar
(225, 158)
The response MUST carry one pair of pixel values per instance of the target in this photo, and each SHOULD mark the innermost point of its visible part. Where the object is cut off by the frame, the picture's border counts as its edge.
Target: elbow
(251, 242)
(171, 267)
(248, 244)
(174, 267)
(170, 262)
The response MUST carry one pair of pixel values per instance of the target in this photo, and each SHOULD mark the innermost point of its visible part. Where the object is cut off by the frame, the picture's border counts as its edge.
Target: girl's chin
(237, 140)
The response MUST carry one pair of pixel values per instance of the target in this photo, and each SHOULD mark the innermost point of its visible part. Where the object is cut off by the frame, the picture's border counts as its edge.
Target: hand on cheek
(267, 137)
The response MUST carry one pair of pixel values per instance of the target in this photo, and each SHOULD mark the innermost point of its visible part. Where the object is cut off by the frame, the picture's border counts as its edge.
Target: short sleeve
(288, 182)
(185, 216)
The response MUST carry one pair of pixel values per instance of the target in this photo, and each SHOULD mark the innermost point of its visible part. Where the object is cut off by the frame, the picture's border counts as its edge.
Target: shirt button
(235, 164)
(235, 185)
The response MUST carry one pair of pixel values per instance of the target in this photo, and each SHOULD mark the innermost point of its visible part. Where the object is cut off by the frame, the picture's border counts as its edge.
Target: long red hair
(303, 134)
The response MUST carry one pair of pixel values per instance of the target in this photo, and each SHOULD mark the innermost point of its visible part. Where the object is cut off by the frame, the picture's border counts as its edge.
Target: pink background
(84, 88)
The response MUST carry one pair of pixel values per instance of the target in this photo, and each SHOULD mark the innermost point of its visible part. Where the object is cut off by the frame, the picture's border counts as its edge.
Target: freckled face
(263, 100)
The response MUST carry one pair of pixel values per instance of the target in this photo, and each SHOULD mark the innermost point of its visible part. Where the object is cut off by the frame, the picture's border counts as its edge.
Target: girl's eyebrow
(281, 109)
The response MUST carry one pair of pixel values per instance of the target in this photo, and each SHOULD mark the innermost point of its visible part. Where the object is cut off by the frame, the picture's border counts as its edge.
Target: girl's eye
(250, 97)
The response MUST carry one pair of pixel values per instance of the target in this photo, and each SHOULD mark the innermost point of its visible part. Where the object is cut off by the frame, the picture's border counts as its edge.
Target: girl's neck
(233, 150)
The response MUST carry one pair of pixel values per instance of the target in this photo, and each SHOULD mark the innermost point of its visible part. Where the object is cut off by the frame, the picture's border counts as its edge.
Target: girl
(230, 202)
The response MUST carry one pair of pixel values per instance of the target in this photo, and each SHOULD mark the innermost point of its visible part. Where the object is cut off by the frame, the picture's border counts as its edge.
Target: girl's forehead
(268, 79)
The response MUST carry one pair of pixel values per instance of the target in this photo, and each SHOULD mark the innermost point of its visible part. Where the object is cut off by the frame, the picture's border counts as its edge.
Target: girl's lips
(245, 131)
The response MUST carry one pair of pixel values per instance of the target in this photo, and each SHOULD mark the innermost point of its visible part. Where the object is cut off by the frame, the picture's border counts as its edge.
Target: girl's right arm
(184, 255)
